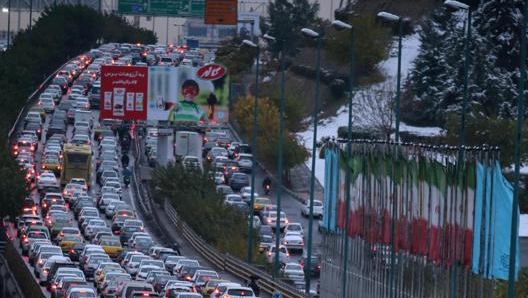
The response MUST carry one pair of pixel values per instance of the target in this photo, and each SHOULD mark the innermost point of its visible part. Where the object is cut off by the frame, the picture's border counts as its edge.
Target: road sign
(173, 8)
(221, 12)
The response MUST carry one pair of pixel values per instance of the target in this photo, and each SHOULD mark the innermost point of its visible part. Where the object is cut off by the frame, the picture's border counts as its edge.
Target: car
(294, 227)
(245, 192)
(293, 272)
(237, 291)
(216, 151)
(245, 162)
(270, 219)
(259, 204)
(46, 178)
(111, 245)
(224, 189)
(315, 264)
(231, 199)
(219, 178)
(293, 241)
(317, 210)
(265, 241)
(284, 254)
(238, 180)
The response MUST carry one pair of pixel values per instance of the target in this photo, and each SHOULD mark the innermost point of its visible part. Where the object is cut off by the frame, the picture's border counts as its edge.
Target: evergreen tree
(500, 21)
(433, 86)
(286, 18)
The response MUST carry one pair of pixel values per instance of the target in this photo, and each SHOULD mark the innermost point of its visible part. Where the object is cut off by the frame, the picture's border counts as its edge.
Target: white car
(318, 209)
(284, 254)
(245, 162)
(293, 241)
(245, 192)
(231, 199)
(294, 227)
(219, 178)
(47, 178)
(294, 272)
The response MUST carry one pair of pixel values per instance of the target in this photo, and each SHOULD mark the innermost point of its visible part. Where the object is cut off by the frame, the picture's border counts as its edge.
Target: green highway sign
(171, 8)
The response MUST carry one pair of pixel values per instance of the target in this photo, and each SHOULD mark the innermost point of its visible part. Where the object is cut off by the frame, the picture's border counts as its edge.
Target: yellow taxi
(68, 241)
(260, 202)
(51, 163)
(210, 285)
(111, 245)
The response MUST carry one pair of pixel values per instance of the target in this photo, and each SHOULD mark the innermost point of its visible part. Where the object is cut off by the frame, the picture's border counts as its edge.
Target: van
(187, 143)
(94, 96)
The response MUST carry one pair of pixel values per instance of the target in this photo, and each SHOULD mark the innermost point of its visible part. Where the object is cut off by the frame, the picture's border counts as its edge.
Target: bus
(76, 163)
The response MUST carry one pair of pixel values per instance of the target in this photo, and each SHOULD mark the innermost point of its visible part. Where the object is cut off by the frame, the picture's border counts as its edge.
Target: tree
(286, 18)
(235, 58)
(437, 76)
(369, 43)
(267, 133)
(377, 105)
(13, 185)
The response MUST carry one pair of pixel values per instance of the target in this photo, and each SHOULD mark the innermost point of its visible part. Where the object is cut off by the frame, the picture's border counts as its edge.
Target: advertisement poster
(188, 94)
(123, 92)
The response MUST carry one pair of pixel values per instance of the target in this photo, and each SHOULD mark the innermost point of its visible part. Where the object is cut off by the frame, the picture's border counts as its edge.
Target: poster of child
(187, 109)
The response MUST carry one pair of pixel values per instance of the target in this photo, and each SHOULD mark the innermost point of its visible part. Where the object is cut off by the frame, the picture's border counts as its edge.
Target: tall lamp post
(253, 151)
(8, 23)
(276, 264)
(462, 132)
(344, 26)
(462, 129)
(397, 19)
(314, 35)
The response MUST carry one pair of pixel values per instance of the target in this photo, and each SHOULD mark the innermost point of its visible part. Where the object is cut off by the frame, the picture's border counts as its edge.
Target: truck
(187, 143)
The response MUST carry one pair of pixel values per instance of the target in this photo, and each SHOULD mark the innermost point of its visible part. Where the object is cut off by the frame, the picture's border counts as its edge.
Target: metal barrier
(229, 263)
(29, 103)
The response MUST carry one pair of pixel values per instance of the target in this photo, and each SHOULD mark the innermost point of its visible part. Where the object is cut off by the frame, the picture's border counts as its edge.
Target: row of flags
(424, 205)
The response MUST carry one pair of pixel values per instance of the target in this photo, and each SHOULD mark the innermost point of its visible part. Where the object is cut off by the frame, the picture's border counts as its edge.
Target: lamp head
(456, 4)
(309, 33)
(388, 16)
(268, 37)
(249, 43)
(341, 25)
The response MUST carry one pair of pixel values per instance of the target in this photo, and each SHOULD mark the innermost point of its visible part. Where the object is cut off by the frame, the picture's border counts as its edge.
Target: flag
(492, 224)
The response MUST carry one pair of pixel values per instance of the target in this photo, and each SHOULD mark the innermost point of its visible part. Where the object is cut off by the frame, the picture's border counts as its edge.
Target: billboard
(124, 92)
(248, 24)
(188, 94)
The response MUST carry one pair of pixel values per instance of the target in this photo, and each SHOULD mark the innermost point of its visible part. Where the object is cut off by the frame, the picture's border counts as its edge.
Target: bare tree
(374, 109)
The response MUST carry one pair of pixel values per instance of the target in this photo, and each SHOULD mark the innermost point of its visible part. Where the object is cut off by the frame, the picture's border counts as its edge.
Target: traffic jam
(79, 231)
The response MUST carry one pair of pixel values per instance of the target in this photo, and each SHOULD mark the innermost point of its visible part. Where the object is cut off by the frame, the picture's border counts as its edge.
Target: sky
(328, 127)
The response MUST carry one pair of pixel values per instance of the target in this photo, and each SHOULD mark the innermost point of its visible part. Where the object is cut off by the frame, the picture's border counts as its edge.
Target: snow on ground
(329, 126)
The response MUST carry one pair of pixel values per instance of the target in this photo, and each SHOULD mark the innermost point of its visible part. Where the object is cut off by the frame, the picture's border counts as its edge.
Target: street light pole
(342, 25)
(254, 153)
(397, 19)
(462, 130)
(8, 23)
(307, 267)
(394, 212)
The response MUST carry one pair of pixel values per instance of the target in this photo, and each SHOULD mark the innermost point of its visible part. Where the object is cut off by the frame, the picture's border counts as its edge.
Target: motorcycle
(267, 189)
(126, 180)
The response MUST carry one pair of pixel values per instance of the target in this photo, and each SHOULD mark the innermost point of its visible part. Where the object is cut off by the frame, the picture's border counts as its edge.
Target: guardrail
(229, 263)
(29, 102)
